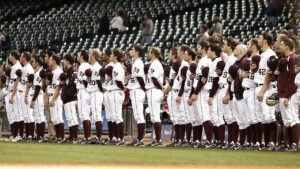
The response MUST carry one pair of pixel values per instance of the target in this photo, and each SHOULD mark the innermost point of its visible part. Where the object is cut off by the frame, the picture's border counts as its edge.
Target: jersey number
(262, 71)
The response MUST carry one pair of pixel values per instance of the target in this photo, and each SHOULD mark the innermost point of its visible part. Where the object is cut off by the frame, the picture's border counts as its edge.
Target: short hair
(50, 53)
(215, 48)
(108, 52)
(284, 31)
(204, 27)
(56, 59)
(184, 48)
(15, 54)
(38, 60)
(139, 48)
(147, 14)
(84, 54)
(156, 52)
(191, 53)
(118, 53)
(27, 56)
(70, 58)
(254, 42)
(204, 45)
(268, 37)
(96, 52)
(232, 43)
(174, 51)
(288, 42)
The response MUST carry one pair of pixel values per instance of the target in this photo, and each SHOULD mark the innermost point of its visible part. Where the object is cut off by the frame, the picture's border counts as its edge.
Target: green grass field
(45, 153)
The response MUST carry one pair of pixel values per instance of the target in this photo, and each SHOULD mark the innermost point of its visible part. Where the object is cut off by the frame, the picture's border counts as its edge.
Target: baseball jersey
(93, 85)
(248, 82)
(188, 82)
(212, 73)
(203, 62)
(118, 74)
(37, 81)
(155, 70)
(26, 70)
(81, 75)
(13, 75)
(259, 76)
(55, 80)
(108, 83)
(178, 78)
(229, 60)
(137, 70)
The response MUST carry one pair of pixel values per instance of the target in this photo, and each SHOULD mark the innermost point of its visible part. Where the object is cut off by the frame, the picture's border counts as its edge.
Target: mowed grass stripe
(67, 153)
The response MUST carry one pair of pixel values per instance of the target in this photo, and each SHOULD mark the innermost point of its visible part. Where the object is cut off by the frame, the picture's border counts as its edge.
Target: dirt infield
(105, 166)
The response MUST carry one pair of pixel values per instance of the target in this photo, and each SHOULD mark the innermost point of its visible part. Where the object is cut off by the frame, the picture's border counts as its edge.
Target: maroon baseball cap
(30, 78)
(193, 68)
(88, 72)
(220, 65)
(63, 76)
(19, 72)
(272, 63)
(246, 65)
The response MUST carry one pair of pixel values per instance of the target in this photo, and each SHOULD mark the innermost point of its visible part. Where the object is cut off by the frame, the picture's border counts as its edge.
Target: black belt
(246, 88)
(274, 86)
(176, 91)
(257, 85)
(221, 87)
(20, 91)
(114, 90)
(50, 94)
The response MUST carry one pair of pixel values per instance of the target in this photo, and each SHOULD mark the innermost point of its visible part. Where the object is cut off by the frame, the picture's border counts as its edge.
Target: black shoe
(107, 141)
(262, 147)
(280, 147)
(294, 148)
(62, 141)
(157, 144)
(208, 145)
(178, 144)
(238, 147)
(121, 143)
(139, 144)
(133, 142)
(153, 142)
(185, 144)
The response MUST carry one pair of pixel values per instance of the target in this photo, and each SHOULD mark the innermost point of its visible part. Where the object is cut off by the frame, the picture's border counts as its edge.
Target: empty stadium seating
(74, 24)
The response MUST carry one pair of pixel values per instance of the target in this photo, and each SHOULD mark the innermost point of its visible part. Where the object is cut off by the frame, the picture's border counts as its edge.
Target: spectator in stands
(124, 16)
(292, 26)
(35, 51)
(204, 33)
(5, 42)
(147, 29)
(272, 13)
(210, 28)
(103, 23)
(218, 27)
(116, 23)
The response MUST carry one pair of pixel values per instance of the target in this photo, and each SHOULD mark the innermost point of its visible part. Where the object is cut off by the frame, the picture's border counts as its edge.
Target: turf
(93, 154)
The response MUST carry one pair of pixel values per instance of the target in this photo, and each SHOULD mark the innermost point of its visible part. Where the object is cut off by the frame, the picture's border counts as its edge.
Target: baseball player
(216, 70)
(200, 96)
(249, 86)
(27, 71)
(95, 91)
(224, 94)
(69, 96)
(14, 94)
(55, 102)
(83, 95)
(155, 93)
(8, 65)
(37, 100)
(136, 85)
(264, 89)
(116, 94)
(287, 90)
(189, 57)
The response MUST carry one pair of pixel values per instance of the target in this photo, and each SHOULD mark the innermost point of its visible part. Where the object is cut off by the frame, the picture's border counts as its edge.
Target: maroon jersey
(286, 86)
(68, 89)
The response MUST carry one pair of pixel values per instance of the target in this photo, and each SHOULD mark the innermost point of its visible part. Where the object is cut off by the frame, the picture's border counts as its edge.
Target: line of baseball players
(217, 86)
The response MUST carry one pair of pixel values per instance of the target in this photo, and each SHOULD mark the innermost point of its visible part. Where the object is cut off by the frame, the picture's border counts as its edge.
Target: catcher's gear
(273, 99)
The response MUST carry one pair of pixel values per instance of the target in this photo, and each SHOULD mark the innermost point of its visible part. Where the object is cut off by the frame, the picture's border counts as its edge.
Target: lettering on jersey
(136, 70)
(262, 71)
(115, 74)
(225, 75)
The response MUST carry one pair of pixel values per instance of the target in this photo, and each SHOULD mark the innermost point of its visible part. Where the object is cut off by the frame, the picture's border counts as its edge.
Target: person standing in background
(103, 23)
(116, 23)
(147, 29)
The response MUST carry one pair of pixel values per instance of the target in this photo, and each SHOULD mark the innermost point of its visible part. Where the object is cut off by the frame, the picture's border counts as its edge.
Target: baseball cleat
(121, 144)
(294, 148)
(133, 142)
(157, 144)
(172, 144)
(196, 144)
(153, 142)
(139, 144)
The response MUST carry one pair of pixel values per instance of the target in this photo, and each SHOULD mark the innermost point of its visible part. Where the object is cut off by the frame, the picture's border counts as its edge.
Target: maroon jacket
(238, 88)
(286, 80)
(68, 89)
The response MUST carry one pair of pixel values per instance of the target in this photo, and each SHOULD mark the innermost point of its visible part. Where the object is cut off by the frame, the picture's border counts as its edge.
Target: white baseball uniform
(96, 95)
(137, 95)
(28, 112)
(106, 86)
(38, 110)
(170, 98)
(180, 115)
(82, 96)
(265, 113)
(154, 95)
(16, 114)
(6, 100)
(57, 110)
(216, 113)
(116, 96)
(189, 110)
(201, 106)
(226, 108)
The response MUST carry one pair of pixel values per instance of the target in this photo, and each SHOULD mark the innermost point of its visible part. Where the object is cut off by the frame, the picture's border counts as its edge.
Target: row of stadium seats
(75, 25)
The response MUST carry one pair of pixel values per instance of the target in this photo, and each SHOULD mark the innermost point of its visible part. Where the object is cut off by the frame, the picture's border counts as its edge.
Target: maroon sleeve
(141, 82)
(85, 83)
(215, 87)
(120, 84)
(199, 86)
(36, 92)
(156, 83)
(183, 74)
(100, 86)
(192, 92)
(291, 77)
(171, 81)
